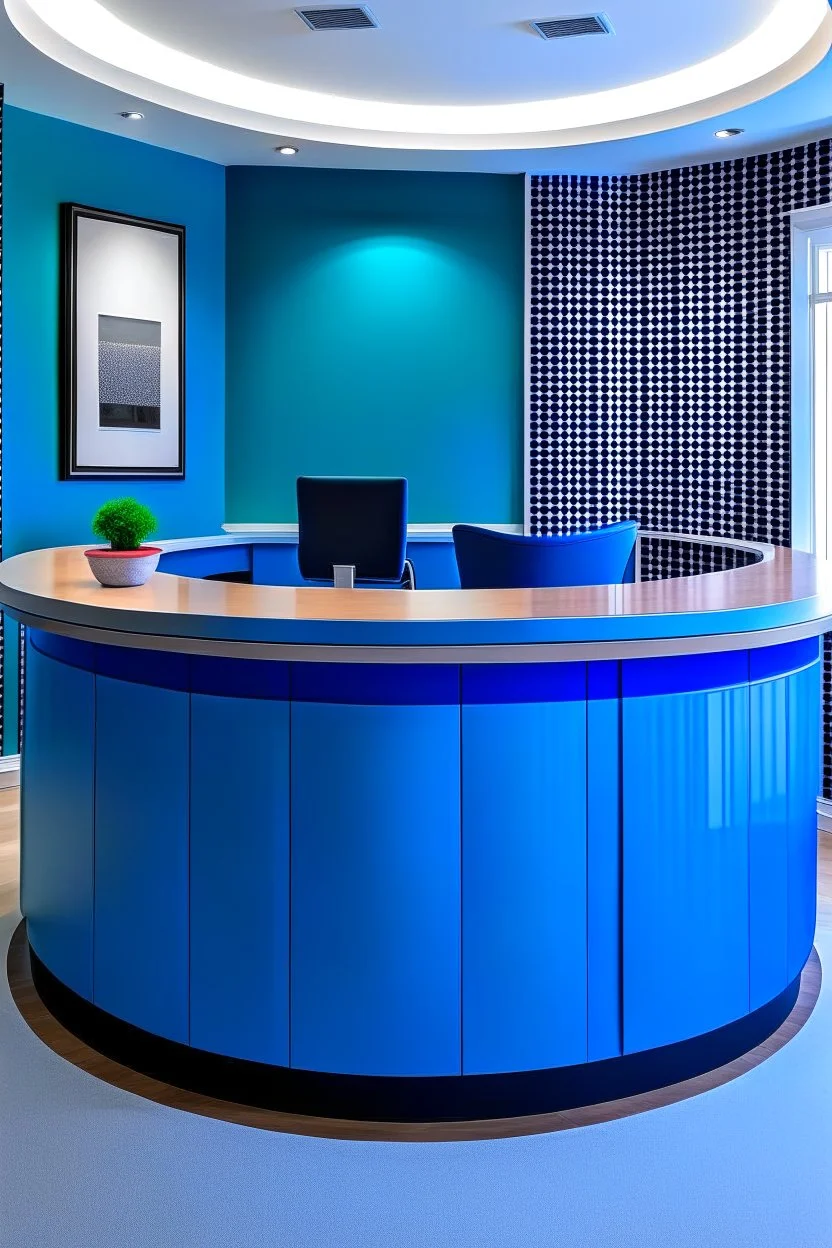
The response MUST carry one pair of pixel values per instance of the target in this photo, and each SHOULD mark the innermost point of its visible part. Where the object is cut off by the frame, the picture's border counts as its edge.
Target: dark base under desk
(390, 1099)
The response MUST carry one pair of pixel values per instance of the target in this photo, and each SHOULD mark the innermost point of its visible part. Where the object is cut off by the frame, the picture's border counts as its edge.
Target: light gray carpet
(83, 1165)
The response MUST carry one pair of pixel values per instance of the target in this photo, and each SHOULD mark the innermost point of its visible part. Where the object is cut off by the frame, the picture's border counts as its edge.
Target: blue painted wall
(46, 162)
(375, 325)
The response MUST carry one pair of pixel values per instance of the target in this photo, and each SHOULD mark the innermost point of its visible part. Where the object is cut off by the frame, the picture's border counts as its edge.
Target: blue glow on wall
(375, 326)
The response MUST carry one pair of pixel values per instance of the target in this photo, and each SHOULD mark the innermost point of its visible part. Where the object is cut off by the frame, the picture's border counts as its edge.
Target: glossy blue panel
(239, 900)
(375, 889)
(376, 684)
(603, 864)
(686, 948)
(434, 564)
(145, 667)
(207, 560)
(771, 661)
(645, 678)
(492, 683)
(768, 838)
(66, 649)
(276, 564)
(141, 856)
(240, 678)
(804, 787)
(524, 949)
(57, 819)
(604, 680)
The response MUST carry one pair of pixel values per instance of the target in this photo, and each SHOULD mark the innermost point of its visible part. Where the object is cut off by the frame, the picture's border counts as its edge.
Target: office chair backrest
(352, 520)
(490, 560)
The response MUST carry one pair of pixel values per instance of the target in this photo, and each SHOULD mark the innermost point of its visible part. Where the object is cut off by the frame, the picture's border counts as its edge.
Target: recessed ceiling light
(730, 133)
(287, 150)
(132, 116)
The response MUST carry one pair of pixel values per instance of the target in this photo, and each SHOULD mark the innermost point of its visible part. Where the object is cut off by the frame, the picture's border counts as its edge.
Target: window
(820, 301)
(812, 381)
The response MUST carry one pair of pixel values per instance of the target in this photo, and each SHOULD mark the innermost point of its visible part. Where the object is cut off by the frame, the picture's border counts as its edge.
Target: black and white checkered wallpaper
(659, 350)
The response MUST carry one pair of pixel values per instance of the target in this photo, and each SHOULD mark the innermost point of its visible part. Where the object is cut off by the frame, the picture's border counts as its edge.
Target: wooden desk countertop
(786, 597)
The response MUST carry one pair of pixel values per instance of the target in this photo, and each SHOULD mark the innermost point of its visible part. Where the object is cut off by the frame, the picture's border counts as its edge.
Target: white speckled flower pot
(121, 568)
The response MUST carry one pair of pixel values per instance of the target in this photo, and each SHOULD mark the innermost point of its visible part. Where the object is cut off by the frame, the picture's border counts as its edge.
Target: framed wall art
(123, 346)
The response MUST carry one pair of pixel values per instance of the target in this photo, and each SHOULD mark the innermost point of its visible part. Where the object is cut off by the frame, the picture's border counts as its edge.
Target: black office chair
(355, 523)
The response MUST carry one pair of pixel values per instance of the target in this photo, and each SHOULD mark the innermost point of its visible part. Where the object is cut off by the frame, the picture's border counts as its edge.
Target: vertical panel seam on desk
(587, 839)
(749, 728)
(461, 879)
(788, 693)
(21, 786)
(290, 708)
(620, 840)
(190, 683)
(94, 822)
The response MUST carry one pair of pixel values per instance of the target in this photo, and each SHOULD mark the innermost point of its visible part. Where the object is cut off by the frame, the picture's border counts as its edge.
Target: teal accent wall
(47, 162)
(375, 326)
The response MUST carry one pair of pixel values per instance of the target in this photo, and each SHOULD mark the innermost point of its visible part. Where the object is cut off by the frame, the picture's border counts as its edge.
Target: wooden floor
(85, 1058)
(9, 849)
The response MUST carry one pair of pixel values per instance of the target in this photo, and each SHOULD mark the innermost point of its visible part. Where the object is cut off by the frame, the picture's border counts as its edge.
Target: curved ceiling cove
(784, 42)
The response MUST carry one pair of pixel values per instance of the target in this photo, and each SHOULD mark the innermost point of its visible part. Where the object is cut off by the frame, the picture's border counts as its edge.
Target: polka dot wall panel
(659, 353)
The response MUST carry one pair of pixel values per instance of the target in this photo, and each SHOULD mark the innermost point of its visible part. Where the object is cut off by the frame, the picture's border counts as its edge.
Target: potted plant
(124, 523)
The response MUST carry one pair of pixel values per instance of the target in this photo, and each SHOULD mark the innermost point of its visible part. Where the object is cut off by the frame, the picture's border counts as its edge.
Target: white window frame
(811, 228)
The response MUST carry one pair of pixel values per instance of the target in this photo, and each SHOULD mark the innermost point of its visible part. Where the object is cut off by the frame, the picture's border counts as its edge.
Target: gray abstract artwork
(129, 373)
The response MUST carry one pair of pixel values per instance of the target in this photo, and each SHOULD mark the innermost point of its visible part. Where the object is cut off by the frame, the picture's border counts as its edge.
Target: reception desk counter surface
(417, 855)
(55, 590)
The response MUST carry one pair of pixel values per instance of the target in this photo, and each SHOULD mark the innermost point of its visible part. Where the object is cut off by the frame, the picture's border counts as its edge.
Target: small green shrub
(124, 523)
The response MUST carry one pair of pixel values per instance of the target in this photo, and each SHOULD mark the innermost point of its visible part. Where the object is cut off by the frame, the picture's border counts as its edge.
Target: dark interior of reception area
(416, 624)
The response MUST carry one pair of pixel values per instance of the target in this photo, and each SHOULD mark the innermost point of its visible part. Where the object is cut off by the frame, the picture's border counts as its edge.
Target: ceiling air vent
(345, 17)
(568, 27)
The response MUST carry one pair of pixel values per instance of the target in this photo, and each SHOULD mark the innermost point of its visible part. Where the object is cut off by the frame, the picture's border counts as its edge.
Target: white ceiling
(447, 51)
(247, 29)
(731, 56)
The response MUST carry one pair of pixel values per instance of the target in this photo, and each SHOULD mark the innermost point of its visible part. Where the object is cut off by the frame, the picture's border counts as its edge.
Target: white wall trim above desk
(415, 532)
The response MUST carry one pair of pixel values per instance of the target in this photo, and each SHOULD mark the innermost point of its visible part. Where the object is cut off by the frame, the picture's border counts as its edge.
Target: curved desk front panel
(481, 889)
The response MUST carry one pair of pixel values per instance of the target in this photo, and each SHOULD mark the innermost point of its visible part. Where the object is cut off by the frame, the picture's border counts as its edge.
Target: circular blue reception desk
(418, 855)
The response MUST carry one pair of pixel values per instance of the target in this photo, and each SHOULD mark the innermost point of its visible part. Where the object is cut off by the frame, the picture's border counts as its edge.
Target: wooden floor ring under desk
(68, 1046)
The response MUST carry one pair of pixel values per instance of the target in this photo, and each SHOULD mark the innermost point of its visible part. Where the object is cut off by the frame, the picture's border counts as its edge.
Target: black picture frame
(70, 469)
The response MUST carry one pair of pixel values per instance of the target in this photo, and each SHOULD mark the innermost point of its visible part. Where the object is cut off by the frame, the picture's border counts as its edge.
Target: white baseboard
(824, 815)
(289, 533)
(9, 771)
